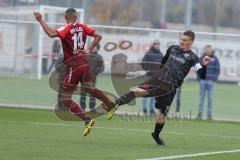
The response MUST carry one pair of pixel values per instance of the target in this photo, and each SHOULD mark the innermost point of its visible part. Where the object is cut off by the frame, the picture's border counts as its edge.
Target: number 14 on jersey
(77, 41)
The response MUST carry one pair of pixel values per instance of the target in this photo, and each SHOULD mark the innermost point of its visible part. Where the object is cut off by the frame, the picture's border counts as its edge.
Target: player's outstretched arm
(49, 31)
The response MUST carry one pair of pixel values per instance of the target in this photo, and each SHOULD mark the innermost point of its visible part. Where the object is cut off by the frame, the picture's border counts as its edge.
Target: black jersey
(179, 63)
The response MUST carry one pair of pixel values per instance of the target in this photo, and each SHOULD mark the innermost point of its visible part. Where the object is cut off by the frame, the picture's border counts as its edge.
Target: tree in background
(111, 11)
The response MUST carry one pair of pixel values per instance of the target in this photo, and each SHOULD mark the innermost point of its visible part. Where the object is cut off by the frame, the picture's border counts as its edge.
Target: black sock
(158, 128)
(125, 99)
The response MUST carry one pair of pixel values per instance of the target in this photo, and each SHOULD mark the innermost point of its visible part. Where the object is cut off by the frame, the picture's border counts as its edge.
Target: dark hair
(156, 41)
(208, 46)
(70, 11)
(190, 34)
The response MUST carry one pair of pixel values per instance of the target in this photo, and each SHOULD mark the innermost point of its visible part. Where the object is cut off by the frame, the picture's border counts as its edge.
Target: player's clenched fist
(206, 60)
(38, 15)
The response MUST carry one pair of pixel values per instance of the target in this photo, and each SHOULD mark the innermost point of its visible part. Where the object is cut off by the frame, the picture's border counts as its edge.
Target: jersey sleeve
(166, 56)
(90, 31)
(62, 32)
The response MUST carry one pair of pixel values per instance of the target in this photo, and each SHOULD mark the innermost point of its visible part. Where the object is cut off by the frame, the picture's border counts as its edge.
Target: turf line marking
(47, 107)
(119, 129)
(192, 155)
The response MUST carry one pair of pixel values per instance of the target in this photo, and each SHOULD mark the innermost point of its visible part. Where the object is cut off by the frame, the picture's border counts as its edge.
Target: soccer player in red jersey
(73, 36)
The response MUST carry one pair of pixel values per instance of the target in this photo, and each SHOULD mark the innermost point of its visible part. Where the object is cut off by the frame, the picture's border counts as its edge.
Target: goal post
(23, 43)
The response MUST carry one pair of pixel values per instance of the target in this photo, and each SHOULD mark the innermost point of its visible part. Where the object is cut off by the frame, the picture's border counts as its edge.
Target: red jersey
(73, 37)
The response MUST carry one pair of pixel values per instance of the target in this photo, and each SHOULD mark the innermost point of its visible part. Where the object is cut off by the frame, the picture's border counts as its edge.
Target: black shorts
(157, 87)
(162, 89)
(164, 102)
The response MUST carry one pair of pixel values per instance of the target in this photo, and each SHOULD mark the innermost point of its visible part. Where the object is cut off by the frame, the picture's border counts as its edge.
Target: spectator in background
(207, 85)
(28, 50)
(56, 49)
(153, 55)
(96, 65)
(61, 69)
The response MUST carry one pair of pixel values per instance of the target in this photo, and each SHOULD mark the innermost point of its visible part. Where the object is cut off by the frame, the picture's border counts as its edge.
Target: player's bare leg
(127, 98)
(97, 93)
(160, 121)
(130, 96)
(76, 109)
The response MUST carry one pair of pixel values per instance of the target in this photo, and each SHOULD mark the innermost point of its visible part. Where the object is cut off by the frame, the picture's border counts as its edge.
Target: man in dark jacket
(153, 55)
(56, 49)
(96, 65)
(206, 85)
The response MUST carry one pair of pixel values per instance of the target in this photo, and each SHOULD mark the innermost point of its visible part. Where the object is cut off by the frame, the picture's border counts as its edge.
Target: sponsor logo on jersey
(178, 59)
(186, 55)
(77, 29)
(176, 51)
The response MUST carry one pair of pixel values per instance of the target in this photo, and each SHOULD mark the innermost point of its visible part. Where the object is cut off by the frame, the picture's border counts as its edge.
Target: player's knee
(160, 118)
(64, 98)
(137, 93)
(87, 85)
(140, 92)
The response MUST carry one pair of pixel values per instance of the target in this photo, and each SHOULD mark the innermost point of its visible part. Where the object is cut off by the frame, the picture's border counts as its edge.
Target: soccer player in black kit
(178, 59)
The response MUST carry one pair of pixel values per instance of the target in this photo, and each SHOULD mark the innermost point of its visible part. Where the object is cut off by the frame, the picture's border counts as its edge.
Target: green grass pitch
(27, 134)
(38, 135)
